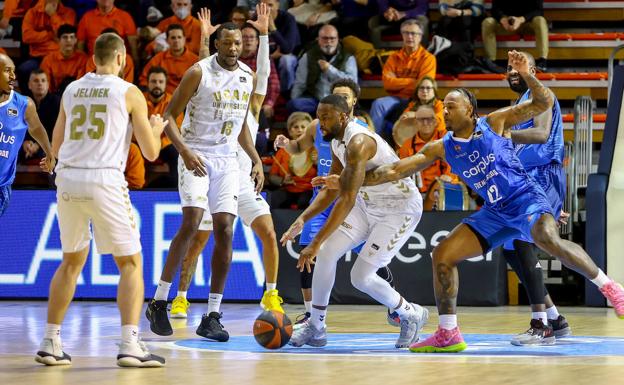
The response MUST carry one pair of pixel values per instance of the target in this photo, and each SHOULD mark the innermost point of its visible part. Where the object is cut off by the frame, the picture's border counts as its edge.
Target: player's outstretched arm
(147, 132)
(405, 167)
(38, 132)
(359, 150)
(300, 145)
(539, 133)
(541, 99)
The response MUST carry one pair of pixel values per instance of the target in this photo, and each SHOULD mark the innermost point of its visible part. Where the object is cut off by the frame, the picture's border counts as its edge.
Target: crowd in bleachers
(312, 43)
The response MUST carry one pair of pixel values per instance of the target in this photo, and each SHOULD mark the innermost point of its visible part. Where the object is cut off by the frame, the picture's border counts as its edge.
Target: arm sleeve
(263, 67)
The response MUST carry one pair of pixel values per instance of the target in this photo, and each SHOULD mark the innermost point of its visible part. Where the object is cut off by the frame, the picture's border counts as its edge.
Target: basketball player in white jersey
(92, 138)
(252, 208)
(215, 92)
(383, 217)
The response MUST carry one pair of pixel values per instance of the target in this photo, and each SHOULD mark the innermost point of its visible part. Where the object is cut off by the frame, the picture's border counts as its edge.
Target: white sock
(52, 331)
(214, 302)
(308, 306)
(162, 291)
(540, 315)
(601, 279)
(405, 308)
(318, 317)
(129, 333)
(448, 321)
(182, 294)
(271, 286)
(552, 312)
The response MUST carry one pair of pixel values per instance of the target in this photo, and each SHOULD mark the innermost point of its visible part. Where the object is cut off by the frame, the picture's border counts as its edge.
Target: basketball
(272, 329)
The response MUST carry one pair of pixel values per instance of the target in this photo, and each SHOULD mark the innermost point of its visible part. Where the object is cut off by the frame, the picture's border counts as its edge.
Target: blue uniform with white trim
(323, 165)
(544, 162)
(13, 127)
(488, 164)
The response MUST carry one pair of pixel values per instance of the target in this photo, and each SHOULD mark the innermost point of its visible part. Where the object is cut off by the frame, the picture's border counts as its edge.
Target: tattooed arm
(431, 152)
(542, 99)
(539, 133)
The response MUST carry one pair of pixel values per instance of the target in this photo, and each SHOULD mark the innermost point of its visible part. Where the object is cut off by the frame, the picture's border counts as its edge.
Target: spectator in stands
(310, 15)
(248, 56)
(283, 42)
(48, 105)
(352, 15)
(402, 72)
(293, 173)
(66, 64)
(426, 94)
(157, 100)
(182, 16)
(459, 19)
(135, 168)
(128, 74)
(12, 17)
(321, 65)
(515, 17)
(394, 12)
(106, 15)
(239, 16)
(39, 29)
(176, 60)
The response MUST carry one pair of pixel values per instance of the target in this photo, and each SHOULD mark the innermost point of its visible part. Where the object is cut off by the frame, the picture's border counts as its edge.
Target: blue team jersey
(487, 163)
(13, 128)
(533, 155)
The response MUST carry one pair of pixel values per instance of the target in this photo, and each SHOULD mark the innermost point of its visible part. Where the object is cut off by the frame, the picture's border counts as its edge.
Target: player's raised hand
(519, 62)
(257, 174)
(47, 163)
(193, 162)
(331, 182)
(306, 257)
(158, 124)
(207, 28)
(292, 232)
(281, 141)
(262, 19)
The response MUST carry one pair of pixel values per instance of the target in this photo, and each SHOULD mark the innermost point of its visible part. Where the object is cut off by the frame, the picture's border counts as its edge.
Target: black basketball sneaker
(156, 313)
(560, 327)
(211, 328)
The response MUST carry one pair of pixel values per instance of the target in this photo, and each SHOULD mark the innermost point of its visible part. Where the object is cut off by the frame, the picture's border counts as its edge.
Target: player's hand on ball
(306, 257)
(193, 162)
(292, 232)
(519, 62)
(331, 182)
(257, 174)
(280, 142)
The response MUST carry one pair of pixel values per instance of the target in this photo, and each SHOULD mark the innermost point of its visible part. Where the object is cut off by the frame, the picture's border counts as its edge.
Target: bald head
(5, 60)
(7, 76)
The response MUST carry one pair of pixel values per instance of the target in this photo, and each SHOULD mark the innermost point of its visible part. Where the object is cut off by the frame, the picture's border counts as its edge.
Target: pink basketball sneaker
(614, 292)
(442, 341)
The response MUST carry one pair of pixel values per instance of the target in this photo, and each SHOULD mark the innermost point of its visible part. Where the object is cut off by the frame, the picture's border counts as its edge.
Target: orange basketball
(272, 329)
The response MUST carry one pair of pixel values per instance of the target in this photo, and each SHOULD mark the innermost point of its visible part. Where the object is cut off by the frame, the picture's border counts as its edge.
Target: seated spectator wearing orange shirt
(414, 130)
(176, 60)
(426, 93)
(39, 29)
(293, 173)
(12, 17)
(157, 100)
(402, 72)
(66, 64)
(106, 15)
(135, 168)
(128, 74)
(182, 16)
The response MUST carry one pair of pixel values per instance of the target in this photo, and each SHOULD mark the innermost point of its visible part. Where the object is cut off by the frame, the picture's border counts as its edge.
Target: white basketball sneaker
(135, 354)
(51, 353)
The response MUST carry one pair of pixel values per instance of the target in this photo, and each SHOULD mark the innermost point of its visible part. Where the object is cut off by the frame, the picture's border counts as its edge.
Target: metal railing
(582, 150)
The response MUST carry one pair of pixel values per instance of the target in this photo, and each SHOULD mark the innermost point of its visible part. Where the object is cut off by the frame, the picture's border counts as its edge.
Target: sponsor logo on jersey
(374, 246)
(346, 225)
(10, 139)
(481, 164)
(12, 112)
(242, 79)
(325, 162)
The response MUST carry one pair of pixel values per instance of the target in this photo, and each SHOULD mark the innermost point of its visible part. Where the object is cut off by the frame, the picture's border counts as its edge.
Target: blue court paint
(383, 344)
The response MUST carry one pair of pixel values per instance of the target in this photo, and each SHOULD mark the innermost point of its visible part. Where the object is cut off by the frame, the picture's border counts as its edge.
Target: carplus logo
(481, 165)
(10, 139)
(325, 162)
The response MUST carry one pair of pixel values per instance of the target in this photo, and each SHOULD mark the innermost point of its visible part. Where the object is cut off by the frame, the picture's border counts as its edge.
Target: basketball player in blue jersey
(350, 91)
(538, 143)
(516, 207)
(18, 113)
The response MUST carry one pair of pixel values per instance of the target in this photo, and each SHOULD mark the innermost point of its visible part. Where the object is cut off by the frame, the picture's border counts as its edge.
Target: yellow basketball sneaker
(180, 307)
(272, 301)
